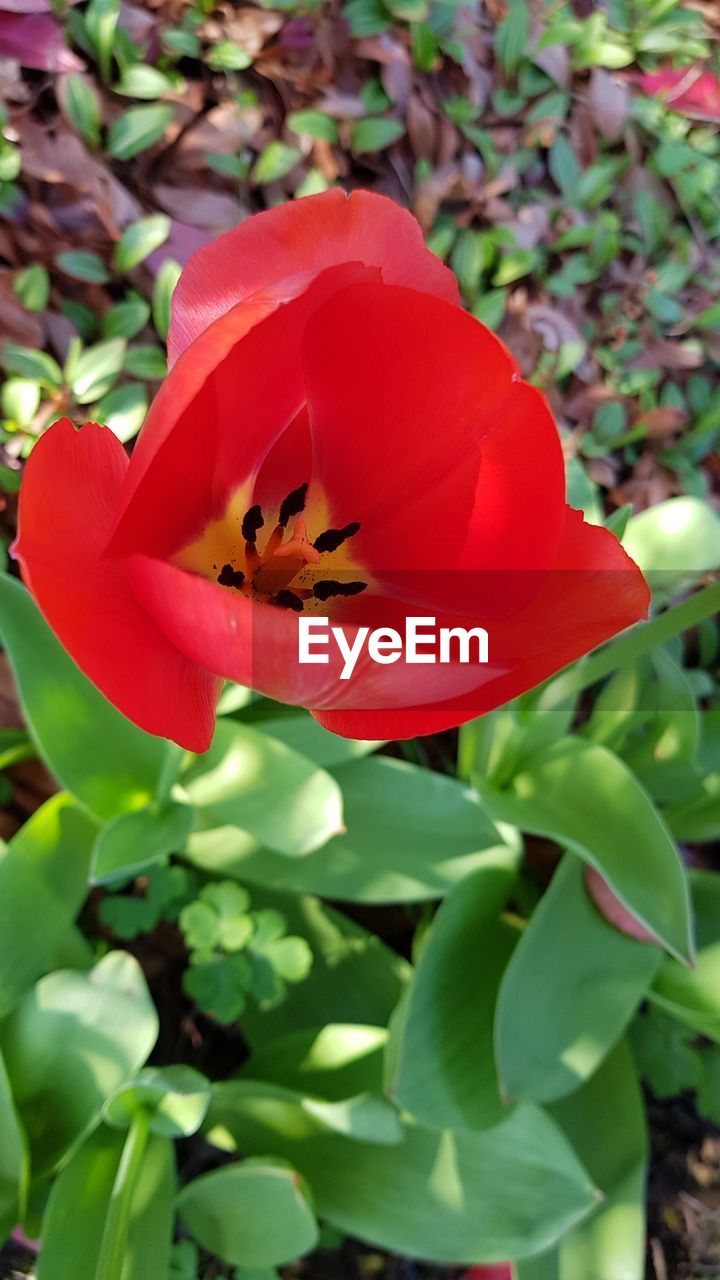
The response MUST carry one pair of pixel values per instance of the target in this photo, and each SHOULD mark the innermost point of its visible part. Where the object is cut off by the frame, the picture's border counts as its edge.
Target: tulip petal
(403, 392)
(594, 592)
(310, 234)
(218, 414)
(68, 501)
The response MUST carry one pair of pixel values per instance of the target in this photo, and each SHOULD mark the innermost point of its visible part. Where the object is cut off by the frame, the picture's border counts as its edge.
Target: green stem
(114, 1241)
(634, 644)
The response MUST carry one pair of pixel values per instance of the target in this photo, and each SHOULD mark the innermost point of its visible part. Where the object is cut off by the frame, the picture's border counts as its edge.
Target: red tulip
(336, 436)
(691, 91)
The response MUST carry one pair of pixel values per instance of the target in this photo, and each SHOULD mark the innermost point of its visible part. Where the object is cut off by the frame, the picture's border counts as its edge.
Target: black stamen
(331, 539)
(329, 587)
(288, 600)
(293, 504)
(229, 577)
(252, 521)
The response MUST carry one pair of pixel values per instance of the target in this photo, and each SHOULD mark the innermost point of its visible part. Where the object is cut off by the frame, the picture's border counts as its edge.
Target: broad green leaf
(137, 129)
(19, 401)
(443, 1069)
(315, 124)
(13, 1160)
(375, 134)
(413, 1198)
(675, 541)
(146, 361)
(139, 240)
(177, 1099)
(693, 995)
(275, 162)
(617, 830)
(165, 282)
(250, 781)
(551, 1035)
(123, 410)
(337, 1074)
(411, 834)
(97, 369)
(78, 1206)
(81, 265)
(253, 1214)
(354, 978)
(81, 104)
(606, 1124)
(32, 287)
(335, 1061)
(38, 366)
(126, 319)
(43, 884)
(698, 819)
(142, 81)
(305, 735)
(103, 759)
(69, 1043)
(133, 841)
(512, 36)
(100, 25)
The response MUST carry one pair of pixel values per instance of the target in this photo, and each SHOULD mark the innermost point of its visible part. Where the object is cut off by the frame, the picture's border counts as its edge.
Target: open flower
(336, 437)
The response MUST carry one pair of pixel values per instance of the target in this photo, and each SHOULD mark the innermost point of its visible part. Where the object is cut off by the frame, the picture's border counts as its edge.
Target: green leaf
(146, 361)
(82, 265)
(605, 1122)
(616, 830)
(693, 995)
(139, 240)
(228, 55)
(355, 978)
(366, 18)
(275, 162)
(78, 1207)
(69, 1044)
(176, 1099)
(133, 841)
(137, 129)
(305, 735)
(43, 884)
(375, 133)
(97, 369)
(32, 287)
(564, 168)
(675, 541)
(36, 365)
(315, 124)
(389, 852)
(20, 401)
(514, 266)
(123, 410)
(269, 1194)
(550, 1037)
(13, 1160)
(254, 783)
(103, 759)
(443, 1069)
(512, 36)
(412, 1198)
(101, 20)
(163, 289)
(81, 104)
(140, 81)
(126, 319)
